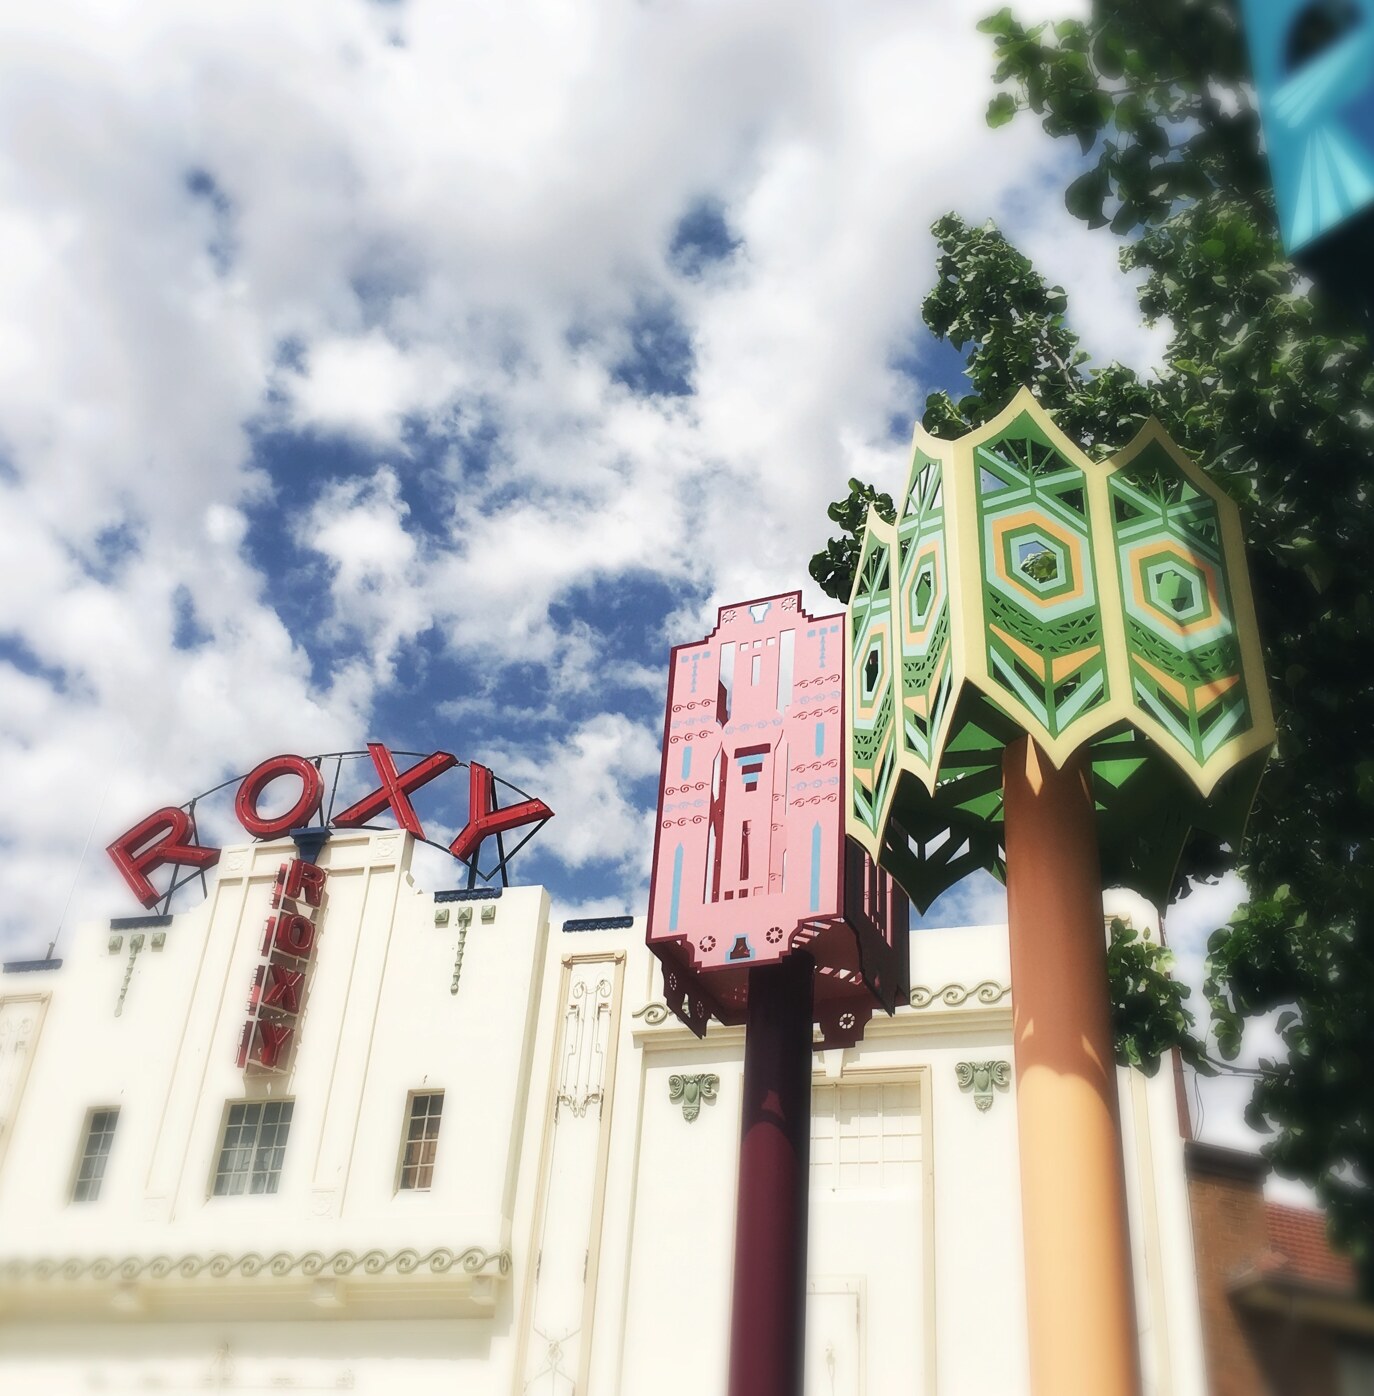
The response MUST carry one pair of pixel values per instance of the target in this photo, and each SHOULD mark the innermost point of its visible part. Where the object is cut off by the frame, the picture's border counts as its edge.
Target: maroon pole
(768, 1326)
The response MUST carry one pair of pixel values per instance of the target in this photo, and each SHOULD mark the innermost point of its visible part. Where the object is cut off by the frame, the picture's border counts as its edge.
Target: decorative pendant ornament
(980, 1078)
(691, 1091)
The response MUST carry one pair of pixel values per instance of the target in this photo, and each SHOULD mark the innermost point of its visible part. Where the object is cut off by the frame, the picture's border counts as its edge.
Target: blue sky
(420, 372)
(390, 372)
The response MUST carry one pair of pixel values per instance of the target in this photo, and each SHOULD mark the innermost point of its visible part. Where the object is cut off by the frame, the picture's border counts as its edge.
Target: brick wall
(1248, 1353)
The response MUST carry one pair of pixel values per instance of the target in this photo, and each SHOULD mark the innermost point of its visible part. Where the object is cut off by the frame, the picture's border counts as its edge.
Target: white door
(865, 1303)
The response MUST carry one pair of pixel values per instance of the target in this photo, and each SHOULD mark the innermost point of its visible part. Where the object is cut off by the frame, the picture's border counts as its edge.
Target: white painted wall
(561, 1147)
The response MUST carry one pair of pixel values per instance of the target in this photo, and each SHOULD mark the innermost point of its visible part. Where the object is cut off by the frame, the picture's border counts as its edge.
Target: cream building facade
(494, 1163)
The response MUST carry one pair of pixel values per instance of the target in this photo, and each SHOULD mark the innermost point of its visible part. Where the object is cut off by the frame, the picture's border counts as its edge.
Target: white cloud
(588, 780)
(250, 214)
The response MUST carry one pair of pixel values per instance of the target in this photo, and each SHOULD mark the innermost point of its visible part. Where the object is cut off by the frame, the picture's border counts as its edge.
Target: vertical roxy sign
(281, 976)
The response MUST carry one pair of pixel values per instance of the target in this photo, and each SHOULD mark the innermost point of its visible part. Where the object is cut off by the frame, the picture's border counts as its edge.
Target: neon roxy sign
(169, 838)
(279, 978)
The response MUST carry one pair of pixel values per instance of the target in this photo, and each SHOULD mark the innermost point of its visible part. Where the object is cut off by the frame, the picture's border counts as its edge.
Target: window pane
(254, 1147)
(95, 1150)
(420, 1141)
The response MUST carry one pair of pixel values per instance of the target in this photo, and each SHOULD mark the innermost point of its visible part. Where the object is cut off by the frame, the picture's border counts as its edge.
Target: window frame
(408, 1120)
(84, 1154)
(251, 1147)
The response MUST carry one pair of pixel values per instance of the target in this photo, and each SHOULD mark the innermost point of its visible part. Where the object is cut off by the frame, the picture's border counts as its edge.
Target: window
(254, 1143)
(866, 1136)
(90, 1172)
(421, 1141)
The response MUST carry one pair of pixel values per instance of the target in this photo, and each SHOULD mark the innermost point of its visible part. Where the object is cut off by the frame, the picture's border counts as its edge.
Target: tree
(1270, 386)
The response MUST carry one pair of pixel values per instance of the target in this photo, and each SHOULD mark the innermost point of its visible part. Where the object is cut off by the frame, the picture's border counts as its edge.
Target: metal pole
(1079, 1302)
(768, 1326)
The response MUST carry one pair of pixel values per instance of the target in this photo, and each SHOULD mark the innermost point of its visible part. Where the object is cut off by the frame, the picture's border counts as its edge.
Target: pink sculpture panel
(751, 863)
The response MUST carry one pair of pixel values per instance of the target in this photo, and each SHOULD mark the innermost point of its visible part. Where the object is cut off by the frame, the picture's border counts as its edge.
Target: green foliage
(832, 568)
(991, 303)
(1269, 385)
(1148, 1014)
(1041, 567)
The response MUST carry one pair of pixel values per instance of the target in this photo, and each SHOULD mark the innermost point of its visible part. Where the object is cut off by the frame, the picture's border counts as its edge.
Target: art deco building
(446, 1146)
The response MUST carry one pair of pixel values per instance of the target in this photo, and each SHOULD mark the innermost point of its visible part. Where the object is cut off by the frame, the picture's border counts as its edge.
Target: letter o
(260, 777)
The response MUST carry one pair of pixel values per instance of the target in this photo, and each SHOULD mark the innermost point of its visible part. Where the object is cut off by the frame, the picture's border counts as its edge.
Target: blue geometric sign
(1314, 69)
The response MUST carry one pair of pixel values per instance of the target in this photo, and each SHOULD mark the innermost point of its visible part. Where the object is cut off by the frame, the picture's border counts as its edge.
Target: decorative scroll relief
(954, 995)
(472, 1260)
(986, 993)
(587, 1025)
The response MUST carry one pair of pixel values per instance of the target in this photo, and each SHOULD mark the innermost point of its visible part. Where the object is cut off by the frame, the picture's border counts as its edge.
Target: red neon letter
(284, 991)
(258, 779)
(307, 882)
(299, 879)
(295, 934)
(394, 789)
(484, 819)
(159, 839)
(273, 1040)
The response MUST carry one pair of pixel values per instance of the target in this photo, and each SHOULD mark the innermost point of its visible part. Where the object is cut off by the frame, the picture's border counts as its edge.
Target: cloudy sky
(419, 372)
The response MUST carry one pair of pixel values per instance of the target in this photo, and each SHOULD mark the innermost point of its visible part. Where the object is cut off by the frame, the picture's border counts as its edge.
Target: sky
(419, 372)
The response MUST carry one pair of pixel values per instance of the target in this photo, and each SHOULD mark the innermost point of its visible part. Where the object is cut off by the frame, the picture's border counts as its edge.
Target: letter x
(284, 991)
(394, 788)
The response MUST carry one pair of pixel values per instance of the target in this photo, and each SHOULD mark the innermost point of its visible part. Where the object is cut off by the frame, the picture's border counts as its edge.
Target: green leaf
(1085, 196)
(1001, 109)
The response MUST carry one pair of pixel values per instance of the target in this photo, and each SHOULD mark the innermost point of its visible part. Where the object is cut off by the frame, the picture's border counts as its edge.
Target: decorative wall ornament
(135, 945)
(989, 991)
(981, 1077)
(472, 1260)
(554, 1355)
(692, 1090)
(558, 1310)
(464, 921)
(584, 1061)
(653, 1013)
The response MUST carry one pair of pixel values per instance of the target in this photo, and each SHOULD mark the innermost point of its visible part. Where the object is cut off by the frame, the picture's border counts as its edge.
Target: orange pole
(1081, 1313)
